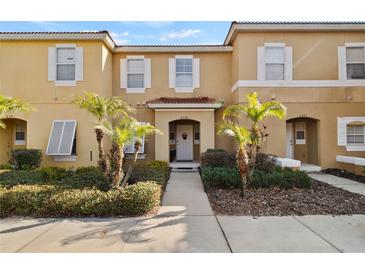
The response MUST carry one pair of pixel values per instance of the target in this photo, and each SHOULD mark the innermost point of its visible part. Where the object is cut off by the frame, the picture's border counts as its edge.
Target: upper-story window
(274, 62)
(355, 62)
(184, 73)
(65, 64)
(135, 73)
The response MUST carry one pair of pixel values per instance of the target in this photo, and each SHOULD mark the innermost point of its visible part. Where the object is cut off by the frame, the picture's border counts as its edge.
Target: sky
(137, 32)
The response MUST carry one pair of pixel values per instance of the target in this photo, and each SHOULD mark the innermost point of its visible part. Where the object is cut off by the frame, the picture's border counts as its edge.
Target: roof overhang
(237, 27)
(191, 48)
(184, 106)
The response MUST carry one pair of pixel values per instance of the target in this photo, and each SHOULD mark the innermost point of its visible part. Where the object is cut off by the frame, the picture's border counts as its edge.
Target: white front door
(184, 142)
(289, 141)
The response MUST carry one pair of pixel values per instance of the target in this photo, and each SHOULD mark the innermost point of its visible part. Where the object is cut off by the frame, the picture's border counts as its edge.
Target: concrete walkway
(336, 181)
(185, 223)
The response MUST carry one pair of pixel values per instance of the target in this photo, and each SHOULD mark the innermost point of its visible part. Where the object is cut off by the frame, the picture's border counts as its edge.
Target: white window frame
(65, 82)
(139, 89)
(342, 123)
(55, 155)
(188, 57)
(300, 126)
(129, 148)
(16, 141)
(282, 47)
(354, 45)
(355, 134)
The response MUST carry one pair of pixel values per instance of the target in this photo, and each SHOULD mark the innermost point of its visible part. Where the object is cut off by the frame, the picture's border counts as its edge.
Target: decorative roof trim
(175, 48)
(290, 26)
(185, 106)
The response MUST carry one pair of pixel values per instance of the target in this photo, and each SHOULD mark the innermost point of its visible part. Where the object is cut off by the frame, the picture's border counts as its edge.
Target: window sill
(65, 83)
(65, 158)
(19, 143)
(355, 147)
(141, 156)
(184, 90)
(135, 90)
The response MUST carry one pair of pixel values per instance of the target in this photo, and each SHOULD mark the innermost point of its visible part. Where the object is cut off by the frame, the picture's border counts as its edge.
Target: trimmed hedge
(18, 177)
(26, 158)
(220, 177)
(157, 171)
(53, 173)
(217, 158)
(57, 201)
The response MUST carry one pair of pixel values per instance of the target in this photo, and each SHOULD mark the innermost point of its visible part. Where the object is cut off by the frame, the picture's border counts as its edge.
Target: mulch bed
(345, 174)
(320, 199)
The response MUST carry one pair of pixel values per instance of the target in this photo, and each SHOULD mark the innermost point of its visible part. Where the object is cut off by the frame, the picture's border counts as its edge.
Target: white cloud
(180, 34)
(117, 37)
(121, 41)
(153, 24)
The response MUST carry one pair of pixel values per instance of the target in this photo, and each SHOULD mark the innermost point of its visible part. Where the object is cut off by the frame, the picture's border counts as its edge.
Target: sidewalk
(336, 181)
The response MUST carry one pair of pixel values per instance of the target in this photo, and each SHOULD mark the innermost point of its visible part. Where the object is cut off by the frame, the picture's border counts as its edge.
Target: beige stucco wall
(24, 75)
(314, 53)
(162, 119)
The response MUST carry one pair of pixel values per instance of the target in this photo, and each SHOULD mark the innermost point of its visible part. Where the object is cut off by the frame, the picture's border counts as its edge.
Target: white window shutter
(196, 72)
(288, 73)
(260, 63)
(341, 131)
(79, 67)
(342, 75)
(172, 73)
(123, 73)
(147, 73)
(52, 52)
(61, 137)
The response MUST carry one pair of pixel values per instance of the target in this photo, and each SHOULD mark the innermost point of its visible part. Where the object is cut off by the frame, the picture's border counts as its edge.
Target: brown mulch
(320, 199)
(345, 174)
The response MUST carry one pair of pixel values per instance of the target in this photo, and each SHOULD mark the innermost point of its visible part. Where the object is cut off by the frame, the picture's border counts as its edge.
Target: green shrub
(265, 162)
(285, 178)
(18, 177)
(87, 169)
(86, 179)
(52, 201)
(53, 173)
(218, 158)
(5, 166)
(220, 177)
(150, 171)
(26, 158)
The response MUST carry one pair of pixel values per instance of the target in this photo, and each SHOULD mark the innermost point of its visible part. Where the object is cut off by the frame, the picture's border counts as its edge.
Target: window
(184, 73)
(19, 134)
(274, 63)
(355, 62)
(62, 140)
(172, 138)
(355, 134)
(300, 133)
(129, 148)
(196, 134)
(65, 64)
(135, 77)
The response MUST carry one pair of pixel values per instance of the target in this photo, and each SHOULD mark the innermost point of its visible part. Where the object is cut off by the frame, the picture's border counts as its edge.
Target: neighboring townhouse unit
(317, 70)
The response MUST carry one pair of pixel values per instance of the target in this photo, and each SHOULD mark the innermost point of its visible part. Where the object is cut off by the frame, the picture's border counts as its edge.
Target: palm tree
(256, 112)
(140, 131)
(242, 137)
(104, 109)
(8, 105)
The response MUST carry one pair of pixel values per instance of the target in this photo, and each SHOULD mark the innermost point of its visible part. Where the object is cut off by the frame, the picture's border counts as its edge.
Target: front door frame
(290, 140)
(184, 153)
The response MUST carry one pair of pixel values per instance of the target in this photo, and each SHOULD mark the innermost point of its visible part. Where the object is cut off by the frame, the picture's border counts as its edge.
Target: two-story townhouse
(316, 69)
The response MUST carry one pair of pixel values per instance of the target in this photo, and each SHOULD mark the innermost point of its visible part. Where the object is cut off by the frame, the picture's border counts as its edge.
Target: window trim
(61, 83)
(20, 142)
(185, 89)
(300, 141)
(139, 89)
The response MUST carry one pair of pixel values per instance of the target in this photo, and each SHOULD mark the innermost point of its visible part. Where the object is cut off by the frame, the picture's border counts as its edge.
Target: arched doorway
(302, 140)
(184, 140)
(13, 136)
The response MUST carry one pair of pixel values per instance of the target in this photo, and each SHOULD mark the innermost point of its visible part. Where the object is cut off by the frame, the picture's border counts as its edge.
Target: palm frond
(241, 134)
(234, 111)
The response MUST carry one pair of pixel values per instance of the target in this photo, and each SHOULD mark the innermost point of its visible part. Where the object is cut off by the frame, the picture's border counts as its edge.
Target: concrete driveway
(185, 223)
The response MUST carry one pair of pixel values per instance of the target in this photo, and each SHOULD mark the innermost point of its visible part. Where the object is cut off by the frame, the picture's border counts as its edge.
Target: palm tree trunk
(137, 148)
(118, 162)
(102, 162)
(243, 167)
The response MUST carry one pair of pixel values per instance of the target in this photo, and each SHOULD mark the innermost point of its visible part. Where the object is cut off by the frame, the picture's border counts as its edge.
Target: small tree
(104, 109)
(243, 138)
(8, 105)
